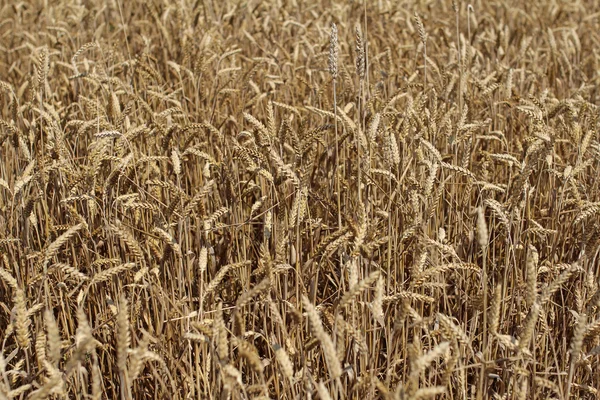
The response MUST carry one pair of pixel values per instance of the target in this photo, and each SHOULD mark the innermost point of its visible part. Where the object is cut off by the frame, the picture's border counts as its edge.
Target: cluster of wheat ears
(299, 200)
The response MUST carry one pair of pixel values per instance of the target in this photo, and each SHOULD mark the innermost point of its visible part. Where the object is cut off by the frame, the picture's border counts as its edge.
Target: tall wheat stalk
(333, 70)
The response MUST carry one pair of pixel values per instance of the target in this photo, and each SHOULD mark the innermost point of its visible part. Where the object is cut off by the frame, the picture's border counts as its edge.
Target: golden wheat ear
(285, 199)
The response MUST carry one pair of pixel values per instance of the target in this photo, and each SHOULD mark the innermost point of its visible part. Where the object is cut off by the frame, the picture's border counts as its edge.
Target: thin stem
(459, 62)
(357, 139)
(484, 332)
(425, 64)
(337, 157)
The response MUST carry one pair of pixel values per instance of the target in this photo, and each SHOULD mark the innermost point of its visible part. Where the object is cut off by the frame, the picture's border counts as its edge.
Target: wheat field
(248, 199)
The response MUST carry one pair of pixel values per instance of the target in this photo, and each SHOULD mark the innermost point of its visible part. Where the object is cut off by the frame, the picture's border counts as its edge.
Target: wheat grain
(527, 330)
(220, 334)
(53, 339)
(316, 326)
(531, 272)
(284, 362)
